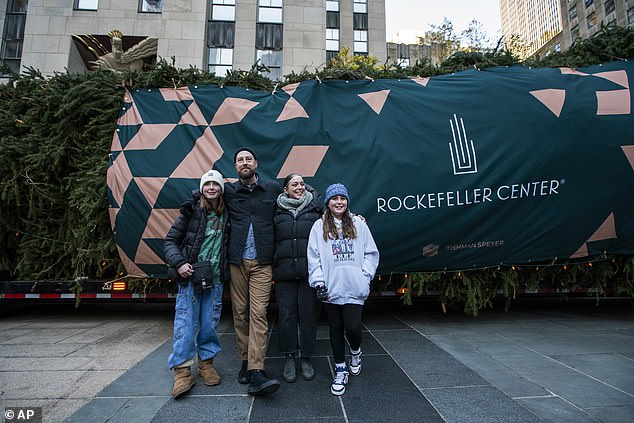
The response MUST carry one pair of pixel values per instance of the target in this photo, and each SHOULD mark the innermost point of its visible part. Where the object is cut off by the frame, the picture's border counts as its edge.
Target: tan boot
(207, 373)
(183, 381)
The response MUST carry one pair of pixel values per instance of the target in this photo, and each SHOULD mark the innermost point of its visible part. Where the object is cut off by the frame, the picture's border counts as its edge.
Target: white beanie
(215, 176)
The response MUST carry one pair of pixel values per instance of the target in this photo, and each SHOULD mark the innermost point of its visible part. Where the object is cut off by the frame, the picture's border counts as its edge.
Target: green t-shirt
(212, 244)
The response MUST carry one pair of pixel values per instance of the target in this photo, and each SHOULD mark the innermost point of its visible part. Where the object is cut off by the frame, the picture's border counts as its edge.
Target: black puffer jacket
(291, 240)
(185, 237)
(255, 207)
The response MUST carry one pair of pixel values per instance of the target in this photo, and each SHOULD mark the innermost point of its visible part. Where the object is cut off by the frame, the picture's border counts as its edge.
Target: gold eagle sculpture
(132, 58)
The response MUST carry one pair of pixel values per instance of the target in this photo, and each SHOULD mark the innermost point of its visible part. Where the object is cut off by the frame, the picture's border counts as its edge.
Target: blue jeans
(297, 304)
(195, 324)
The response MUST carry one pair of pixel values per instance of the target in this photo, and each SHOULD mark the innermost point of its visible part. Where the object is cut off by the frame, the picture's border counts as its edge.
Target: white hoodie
(346, 266)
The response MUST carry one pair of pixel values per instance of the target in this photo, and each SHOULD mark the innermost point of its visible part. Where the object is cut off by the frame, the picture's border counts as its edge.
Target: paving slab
(566, 382)
(477, 404)
(555, 409)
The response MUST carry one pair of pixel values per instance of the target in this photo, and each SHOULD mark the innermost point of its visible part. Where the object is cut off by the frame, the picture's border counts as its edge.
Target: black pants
(297, 304)
(342, 318)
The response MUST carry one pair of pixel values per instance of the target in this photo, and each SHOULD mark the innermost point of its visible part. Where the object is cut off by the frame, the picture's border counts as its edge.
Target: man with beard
(251, 202)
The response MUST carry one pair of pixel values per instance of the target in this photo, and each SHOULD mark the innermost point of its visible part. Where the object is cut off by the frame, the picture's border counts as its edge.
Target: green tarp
(506, 165)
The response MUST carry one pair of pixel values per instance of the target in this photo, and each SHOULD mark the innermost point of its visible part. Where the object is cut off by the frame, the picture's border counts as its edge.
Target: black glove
(322, 292)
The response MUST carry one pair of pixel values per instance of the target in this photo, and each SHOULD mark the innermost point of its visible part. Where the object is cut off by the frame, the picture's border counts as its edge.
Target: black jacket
(255, 207)
(185, 237)
(291, 240)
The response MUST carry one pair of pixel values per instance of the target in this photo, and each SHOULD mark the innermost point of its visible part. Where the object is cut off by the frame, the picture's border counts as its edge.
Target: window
(574, 33)
(402, 54)
(220, 34)
(220, 60)
(151, 6)
(360, 42)
(332, 6)
(630, 16)
(609, 6)
(332, 20)
(13, 37)
(268, 36)
(272, 60)
(332, 39)
(86, 4)
(331, 55)
(223, 10)
(589, 2)
(360, 21)
(221, 30)
(558, 47)
(572, 12)
(270, 11)
(591, 20)
(360, 6)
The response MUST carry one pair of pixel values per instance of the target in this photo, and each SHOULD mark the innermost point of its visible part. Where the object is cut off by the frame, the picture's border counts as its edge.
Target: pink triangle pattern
(581, 252)
(618, 77)
(551, 98)
(159, 223)
(150, 136)
(150, 187)
(376, 100)
(119, 177)
(129, 265)
(130, 117)
(571, 71)
(193, 116)
(145, 255)
(232, 110)
(113, 212)
(292, 109)
(290, 88)
(116, 142)
(178, 94)
(201, 158)
(303, 159)
(421, 81)
(629, 154)
(607, 230)
(615, 102)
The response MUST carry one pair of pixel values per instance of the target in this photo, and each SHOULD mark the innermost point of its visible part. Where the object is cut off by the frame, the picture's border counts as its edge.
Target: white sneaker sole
(337, 393)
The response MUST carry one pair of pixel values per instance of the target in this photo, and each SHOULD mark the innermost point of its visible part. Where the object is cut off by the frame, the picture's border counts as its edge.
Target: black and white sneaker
(355, 363)
(340, 381)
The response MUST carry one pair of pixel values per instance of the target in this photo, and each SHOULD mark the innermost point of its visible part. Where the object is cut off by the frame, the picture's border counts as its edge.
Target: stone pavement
(547, 361)
(555, 364)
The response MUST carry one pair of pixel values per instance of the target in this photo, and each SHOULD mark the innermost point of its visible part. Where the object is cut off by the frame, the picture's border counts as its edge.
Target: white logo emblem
(463, 154)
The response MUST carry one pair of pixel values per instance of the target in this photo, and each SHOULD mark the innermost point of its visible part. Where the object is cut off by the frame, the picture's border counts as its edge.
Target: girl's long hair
(348, 229)
(218, 208)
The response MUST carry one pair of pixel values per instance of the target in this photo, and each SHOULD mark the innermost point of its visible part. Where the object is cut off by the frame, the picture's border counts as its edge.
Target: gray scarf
(294, 205)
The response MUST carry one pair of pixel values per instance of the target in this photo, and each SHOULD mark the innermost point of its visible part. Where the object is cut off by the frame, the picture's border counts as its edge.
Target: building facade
(535, 22)
(408, 54)
(583, 19)
(215, 35)
(553, 25)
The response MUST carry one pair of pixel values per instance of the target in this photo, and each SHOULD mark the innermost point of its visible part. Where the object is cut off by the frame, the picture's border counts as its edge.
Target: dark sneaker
(355, 363)
(308, 372)
(340, 381)
(261, 385)
(244, 376)
(289, 374)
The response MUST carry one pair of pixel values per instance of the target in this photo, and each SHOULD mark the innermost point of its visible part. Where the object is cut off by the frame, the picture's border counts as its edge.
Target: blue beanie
(336, 189)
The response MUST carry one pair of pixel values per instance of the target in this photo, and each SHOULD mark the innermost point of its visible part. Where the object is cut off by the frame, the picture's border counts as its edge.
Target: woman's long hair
(208, 206)
(348, 229)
